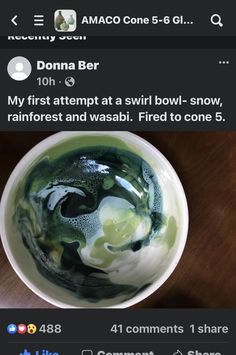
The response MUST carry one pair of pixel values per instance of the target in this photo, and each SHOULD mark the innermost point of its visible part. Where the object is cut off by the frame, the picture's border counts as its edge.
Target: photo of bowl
(94, 219)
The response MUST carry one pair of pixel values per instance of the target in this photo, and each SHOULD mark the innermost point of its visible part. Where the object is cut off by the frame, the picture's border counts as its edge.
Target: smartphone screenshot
(118, 178)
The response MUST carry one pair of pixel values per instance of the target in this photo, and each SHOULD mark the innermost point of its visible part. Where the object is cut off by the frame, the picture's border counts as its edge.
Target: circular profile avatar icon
(19, 68)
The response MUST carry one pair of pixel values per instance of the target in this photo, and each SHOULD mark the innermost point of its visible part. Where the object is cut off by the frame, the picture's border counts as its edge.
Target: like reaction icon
(22, 329)
(12, 329)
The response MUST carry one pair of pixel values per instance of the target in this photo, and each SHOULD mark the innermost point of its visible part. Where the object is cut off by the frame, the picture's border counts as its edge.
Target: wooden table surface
(206, 273)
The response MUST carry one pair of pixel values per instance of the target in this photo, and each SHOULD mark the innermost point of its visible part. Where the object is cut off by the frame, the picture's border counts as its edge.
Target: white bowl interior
(160, 264)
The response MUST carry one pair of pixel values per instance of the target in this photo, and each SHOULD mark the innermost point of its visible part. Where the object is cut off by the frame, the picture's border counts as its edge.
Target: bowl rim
(50, 141)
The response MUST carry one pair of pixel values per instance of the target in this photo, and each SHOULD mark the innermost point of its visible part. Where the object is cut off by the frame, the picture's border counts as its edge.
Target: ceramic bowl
(94, 219)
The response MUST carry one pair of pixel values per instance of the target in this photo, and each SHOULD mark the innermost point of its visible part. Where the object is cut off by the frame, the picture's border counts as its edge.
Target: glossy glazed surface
(92, 218)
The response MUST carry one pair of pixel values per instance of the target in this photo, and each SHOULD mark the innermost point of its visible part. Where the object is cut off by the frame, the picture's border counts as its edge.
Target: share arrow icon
(13, 20)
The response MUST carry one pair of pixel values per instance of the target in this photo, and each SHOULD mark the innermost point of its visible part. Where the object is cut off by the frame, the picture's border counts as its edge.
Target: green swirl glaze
(85, 214)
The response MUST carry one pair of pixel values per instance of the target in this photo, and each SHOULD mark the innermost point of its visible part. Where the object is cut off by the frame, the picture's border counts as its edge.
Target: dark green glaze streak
(80, 212)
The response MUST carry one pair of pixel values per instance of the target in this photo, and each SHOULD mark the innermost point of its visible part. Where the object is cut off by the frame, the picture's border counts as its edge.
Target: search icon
(216, 20)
